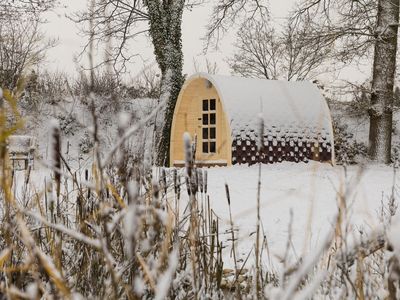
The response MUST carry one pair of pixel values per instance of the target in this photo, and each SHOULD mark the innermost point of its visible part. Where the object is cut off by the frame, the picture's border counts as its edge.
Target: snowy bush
(68, 124)
(53, 87)
(86, 143)
(396, 153)
(103, 84)
(31, 96)
(347, 150)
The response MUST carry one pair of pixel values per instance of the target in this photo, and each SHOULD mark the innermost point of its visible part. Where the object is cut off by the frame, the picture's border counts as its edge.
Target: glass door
(209, 126)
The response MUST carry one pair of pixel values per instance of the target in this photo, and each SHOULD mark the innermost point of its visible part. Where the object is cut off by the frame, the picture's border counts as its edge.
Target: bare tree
(208, 67)
(261, 51)
(305, 58)
(22, 8)
(22, 46)
(258, 51)
(227, 13)
(357, 28)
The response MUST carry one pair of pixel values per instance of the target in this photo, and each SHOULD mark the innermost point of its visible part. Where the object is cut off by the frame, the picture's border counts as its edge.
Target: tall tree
(22, 44)
(356, 29)
(262, 51)
(258, 51)
(382, 97)
(229, 13)
(165, 29)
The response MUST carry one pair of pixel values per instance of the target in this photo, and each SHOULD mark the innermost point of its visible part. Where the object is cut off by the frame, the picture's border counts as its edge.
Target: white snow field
(310, 191)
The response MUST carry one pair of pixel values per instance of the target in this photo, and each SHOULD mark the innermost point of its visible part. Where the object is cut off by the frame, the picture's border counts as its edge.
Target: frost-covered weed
(68, 124)
(86, 143)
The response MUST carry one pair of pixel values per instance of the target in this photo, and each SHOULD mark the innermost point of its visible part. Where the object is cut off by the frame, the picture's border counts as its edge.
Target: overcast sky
(194, 22)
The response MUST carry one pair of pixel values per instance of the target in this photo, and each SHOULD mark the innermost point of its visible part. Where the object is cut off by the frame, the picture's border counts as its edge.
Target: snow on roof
(291, 107)
(20, 143)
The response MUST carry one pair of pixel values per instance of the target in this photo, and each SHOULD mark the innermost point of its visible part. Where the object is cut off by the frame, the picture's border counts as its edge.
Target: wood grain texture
(188, 118)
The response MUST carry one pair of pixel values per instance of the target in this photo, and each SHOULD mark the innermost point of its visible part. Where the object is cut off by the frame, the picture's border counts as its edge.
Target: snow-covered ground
(310, 191)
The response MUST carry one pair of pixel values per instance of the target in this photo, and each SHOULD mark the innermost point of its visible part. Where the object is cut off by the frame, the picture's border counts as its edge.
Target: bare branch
(22, 46)
(228, 12)
(291, 55)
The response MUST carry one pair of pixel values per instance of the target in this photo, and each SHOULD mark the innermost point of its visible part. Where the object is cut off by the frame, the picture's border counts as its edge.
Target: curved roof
(291, 107)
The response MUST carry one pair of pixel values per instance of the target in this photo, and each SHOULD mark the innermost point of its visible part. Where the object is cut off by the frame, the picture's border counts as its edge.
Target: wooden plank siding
(188, 118)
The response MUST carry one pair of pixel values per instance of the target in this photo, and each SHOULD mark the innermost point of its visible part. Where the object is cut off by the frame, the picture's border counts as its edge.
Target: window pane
(205, 147)
(212, 104)
(205, 119)
(205, 105)
(212, 147)
(212, 133)
(212, 118)
(205, 133)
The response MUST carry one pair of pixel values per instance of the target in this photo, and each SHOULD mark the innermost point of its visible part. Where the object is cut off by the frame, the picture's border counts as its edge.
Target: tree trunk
(165, 19)
(381, 109)
(163, 146)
